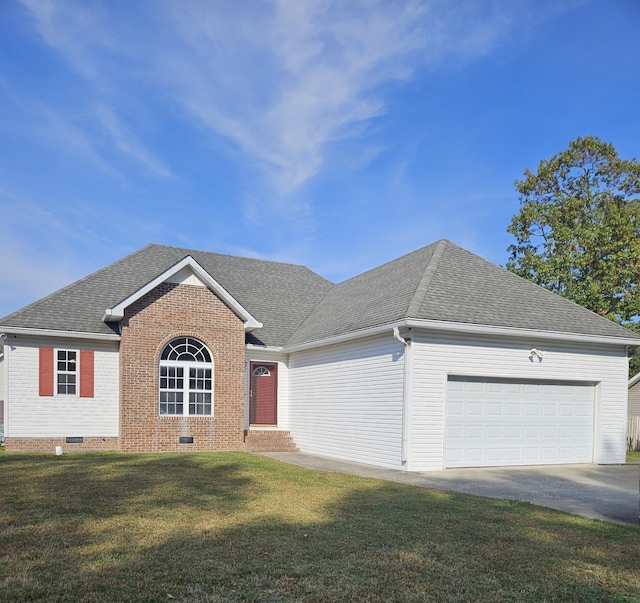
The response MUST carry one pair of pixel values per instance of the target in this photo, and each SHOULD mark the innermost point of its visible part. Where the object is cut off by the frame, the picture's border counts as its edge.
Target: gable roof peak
(116, 313)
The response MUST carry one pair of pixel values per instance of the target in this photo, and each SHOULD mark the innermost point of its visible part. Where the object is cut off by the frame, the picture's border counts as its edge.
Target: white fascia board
(346, 337)
(517, 332)
(117, 312)
(634, 380)
(54, 333)
(472, 329)
(264, 348)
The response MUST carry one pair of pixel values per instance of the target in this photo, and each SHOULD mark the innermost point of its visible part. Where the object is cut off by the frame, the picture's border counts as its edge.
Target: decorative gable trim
(116, 313)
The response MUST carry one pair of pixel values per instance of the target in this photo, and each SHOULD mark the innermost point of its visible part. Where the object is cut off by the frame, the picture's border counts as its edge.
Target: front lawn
(235, 527)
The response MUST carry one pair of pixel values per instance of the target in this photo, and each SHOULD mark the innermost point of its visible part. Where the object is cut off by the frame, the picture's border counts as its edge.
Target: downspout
(406, 394)
(5, 387)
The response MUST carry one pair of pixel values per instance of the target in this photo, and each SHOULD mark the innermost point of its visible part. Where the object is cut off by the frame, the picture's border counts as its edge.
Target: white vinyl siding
(2, 382)
(634, 399)
(438, 356)
(30, 415)
(2, 365)
(348, 400)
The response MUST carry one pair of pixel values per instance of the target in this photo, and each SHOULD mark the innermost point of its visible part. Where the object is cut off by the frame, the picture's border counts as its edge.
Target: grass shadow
(292, 534)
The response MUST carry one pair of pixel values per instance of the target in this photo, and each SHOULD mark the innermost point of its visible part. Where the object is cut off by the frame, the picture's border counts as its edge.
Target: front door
(263, 403)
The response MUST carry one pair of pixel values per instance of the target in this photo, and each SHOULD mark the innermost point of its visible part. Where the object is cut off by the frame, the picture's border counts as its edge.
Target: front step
(269, 440)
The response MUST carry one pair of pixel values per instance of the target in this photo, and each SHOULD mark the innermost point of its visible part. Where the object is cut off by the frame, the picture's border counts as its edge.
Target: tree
(578, 229)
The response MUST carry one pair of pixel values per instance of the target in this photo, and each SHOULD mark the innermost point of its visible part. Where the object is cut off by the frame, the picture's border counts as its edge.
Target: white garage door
(493, 422)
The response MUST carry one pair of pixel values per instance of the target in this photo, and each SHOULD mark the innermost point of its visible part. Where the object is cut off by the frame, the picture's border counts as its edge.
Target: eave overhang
(465, 328)
(55, 333)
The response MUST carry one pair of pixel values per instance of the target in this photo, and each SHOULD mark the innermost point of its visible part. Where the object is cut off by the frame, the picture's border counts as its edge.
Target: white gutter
(54, 333)
(458, 327)
(519, 332)
(264, 348)
(344, 337)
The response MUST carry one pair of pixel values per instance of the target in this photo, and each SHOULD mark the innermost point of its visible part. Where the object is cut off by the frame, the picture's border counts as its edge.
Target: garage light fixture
(536, 353)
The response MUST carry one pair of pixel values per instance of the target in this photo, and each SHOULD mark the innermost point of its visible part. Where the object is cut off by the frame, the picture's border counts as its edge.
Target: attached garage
(493, 422)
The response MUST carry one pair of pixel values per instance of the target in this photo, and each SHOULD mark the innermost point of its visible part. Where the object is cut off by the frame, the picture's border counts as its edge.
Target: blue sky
(335, 134)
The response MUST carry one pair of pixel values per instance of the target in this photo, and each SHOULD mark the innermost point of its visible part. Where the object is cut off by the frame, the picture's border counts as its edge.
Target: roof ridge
(190, 250)
(83, 279)
(425, 281)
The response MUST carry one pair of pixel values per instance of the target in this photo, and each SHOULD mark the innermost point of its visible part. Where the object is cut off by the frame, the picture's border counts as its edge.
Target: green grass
(234, 527)
(633, 457)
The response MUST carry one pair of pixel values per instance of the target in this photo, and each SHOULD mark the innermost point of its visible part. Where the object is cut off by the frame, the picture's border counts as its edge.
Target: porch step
(269, 440)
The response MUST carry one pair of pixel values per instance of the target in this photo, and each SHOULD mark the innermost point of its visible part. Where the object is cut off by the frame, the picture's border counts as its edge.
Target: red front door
(263, 406)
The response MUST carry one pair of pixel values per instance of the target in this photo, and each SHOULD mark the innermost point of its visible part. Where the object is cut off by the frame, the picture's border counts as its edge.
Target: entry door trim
(263, 393)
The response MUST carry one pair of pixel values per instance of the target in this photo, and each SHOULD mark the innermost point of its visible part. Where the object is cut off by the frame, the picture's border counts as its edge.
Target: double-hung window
(66, 372)
(186, 378)
(63, 372)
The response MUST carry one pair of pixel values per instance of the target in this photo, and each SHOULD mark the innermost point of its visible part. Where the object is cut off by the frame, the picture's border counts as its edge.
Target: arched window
(186, 378)
(261, 371)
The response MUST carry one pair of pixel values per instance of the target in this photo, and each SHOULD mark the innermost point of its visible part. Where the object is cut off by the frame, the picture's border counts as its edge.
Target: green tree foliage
(578, 229)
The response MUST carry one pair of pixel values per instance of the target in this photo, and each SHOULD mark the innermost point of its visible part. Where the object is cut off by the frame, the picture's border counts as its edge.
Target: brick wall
(170, 311)
(49, 445)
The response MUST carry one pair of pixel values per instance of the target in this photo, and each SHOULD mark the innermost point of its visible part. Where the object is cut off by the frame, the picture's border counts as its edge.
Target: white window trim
(57, 372)
(187, 366)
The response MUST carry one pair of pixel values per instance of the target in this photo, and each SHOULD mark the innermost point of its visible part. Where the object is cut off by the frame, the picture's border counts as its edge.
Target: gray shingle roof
(441, 282)
(444, 282)
(278, 295)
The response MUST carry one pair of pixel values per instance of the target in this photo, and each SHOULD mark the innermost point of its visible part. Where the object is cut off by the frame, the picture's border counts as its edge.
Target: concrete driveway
(606, 492)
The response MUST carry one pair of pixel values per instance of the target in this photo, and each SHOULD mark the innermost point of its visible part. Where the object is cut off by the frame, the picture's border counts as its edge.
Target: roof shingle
(440, 282)
(444, 282)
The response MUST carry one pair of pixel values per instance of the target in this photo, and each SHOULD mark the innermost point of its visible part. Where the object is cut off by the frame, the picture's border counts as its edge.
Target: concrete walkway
(606, 492)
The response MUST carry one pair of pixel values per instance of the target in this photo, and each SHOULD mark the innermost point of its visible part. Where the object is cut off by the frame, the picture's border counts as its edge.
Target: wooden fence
(633, 433)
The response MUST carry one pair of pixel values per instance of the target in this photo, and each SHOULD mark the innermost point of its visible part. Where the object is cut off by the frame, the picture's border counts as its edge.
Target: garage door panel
(514, 409)
(494, 454)
(532, 454)
(495, 409)
(455, 432)
(513, 431)
(475, 432)
(492, 422)
(495, 432)
(474, 409)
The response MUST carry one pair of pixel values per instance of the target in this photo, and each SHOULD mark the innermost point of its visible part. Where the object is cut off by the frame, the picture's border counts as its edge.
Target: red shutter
(46, 372)
(86, 373)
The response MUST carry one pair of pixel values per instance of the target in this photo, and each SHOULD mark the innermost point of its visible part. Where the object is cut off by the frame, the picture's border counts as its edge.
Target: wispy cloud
(281, 79)
(129, 145)
(313, 72)
(33, 270)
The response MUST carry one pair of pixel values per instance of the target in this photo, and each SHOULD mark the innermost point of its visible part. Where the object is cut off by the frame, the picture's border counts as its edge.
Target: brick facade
(49, 445)
(170, 311)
